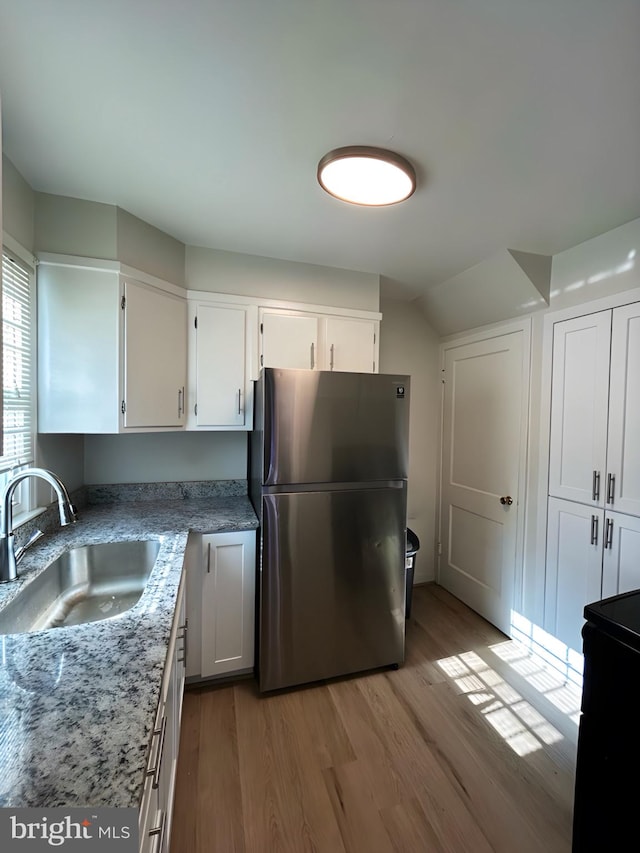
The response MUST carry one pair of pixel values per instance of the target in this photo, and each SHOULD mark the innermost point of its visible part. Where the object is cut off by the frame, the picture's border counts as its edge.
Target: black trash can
(413, 545)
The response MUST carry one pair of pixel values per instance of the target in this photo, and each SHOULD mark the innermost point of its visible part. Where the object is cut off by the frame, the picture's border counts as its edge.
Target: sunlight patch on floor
(523, 727)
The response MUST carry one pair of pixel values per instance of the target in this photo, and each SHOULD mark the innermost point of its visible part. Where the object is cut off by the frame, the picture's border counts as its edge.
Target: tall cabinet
(593, 521)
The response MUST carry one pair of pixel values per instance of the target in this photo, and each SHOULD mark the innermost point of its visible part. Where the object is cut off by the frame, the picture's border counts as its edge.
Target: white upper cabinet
(155, 357)
(622, 488)
(111, 349)
(318, 341)
(595, 410)
(221, 365)
(579, 408)
(289, 339)
(350, 344)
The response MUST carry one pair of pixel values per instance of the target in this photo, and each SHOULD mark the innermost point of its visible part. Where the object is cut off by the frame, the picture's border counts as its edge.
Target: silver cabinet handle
(180, 401)
(158, 832)
(312, 356)
(184, 628)
(209, 558)
(595, 490)
(608, 536)
(594, 529)
(155, 770)
(239, 401)
(611, 487)
(331, 361)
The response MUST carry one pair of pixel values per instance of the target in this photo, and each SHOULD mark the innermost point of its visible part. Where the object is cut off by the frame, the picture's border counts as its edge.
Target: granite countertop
(77, 704)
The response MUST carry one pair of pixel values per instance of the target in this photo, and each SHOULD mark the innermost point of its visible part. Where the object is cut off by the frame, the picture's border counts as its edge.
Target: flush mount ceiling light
(369, 176)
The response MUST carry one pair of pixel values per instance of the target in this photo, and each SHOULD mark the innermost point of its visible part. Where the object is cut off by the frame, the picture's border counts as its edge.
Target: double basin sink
(84, 584)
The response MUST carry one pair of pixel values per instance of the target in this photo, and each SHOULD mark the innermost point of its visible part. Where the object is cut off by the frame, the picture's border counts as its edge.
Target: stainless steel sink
(82, 585)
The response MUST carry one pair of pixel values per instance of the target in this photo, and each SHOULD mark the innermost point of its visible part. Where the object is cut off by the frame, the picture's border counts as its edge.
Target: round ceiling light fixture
(360, 174)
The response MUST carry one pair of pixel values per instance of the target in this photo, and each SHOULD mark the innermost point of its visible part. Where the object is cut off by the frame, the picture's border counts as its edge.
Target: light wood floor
(467, 748)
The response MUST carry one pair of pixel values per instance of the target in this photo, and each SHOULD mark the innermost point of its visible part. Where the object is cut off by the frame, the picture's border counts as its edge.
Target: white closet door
(623, 459)
(579, 405)
(574, 568)
(621, 560)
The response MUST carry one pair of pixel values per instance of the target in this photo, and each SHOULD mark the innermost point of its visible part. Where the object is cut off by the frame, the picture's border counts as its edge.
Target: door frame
(486, 333)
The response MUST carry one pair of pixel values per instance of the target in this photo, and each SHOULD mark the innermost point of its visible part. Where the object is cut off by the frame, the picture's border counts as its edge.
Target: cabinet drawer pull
(185, 631)
(331, 361)
(594, 529)
(158, 833)
(611, 487)
(180, 401)
(155, 770)
(596, 486)
(312, 356)
(608, 536)
(239, 401)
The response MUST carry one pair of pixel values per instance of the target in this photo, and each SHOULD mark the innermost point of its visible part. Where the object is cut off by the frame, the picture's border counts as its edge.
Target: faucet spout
(8, 557)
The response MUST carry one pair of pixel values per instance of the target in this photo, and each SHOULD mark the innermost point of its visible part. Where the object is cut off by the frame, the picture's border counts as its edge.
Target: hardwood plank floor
(467, 748)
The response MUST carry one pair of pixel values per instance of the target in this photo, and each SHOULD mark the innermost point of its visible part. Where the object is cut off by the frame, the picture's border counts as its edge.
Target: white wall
(18, 205)
(217, 271)
(409, 345)
(73, 226)
(147, 248)
(165, 457)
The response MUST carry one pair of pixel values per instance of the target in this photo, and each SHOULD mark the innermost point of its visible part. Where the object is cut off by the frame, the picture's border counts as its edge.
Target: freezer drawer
(332, 584)
(323, 427)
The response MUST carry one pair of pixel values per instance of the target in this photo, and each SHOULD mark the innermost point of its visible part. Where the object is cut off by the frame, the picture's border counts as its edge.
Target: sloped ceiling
(207, 120)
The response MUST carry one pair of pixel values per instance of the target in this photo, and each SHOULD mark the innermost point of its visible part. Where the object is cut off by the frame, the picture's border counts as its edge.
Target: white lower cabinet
(221, 604)
(591, 554)
(156, 810)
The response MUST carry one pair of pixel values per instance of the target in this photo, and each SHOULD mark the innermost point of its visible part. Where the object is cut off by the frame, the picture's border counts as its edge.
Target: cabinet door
(289, 339)
(621, 555)
(221, 397)
(78, 350)
(579, 400)
(350, 344)
(623, 455)
(574, 568)
(155, 357)
(228, 602)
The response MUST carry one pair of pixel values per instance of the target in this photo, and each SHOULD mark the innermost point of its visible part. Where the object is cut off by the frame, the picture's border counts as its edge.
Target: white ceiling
(207, 119)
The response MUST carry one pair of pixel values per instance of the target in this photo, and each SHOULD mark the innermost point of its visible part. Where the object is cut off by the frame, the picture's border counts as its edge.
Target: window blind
(17, 363)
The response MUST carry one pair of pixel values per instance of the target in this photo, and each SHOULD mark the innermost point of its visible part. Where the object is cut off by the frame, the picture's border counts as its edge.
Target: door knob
(508, 500)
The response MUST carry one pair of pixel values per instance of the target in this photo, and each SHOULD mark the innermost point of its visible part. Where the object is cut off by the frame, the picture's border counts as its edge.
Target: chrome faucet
(9, 557)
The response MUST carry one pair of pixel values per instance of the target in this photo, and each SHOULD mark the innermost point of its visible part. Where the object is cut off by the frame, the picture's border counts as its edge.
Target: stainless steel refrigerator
(328, 468)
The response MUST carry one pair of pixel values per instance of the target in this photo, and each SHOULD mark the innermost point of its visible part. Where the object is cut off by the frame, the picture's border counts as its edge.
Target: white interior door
(484, 431)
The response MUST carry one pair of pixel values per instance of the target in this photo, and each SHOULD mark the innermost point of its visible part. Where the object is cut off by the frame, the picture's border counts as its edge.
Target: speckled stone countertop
(77, 704)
